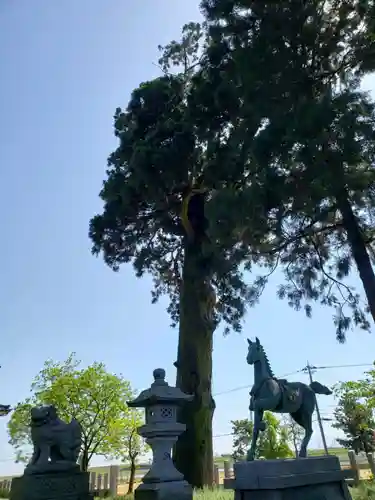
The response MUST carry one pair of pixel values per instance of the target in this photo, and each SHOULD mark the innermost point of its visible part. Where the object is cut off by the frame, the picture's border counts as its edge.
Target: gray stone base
(53, 486)
(313, 478)
(172, 490)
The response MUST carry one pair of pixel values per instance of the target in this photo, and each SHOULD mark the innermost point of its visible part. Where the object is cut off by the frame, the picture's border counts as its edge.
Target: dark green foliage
(303, 33)
(295, 68)
(161, 151)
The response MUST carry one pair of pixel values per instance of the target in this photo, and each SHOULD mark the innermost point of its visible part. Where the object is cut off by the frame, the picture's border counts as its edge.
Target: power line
(342, 366)
(242, 387)
(223, 435)
(235, 389)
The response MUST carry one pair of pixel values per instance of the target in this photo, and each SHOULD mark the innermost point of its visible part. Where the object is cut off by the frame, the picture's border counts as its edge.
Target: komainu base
(72, 485)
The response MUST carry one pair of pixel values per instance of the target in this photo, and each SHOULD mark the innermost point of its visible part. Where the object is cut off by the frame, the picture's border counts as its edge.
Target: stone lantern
(5, 410)
(161, 431)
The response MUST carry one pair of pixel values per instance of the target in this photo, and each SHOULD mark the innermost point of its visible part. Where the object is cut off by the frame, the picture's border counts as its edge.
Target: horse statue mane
(266, 360)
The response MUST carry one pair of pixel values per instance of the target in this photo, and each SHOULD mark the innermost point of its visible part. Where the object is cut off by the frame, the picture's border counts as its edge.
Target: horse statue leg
(307, 424)
(258, 426)
(303, 417)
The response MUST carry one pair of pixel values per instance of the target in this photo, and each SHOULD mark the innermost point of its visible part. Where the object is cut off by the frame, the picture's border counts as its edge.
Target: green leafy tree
(297, 66)
(272, 443)
(167, 210)
(354, 416)
(92, 396)
(294, 431)
(242, 431)
(134, 451)
(132, 446)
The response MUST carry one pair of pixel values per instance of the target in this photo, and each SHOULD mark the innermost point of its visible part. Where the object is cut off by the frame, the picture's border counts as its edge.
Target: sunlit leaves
(91, 395)
(354, 414)
(272, 443)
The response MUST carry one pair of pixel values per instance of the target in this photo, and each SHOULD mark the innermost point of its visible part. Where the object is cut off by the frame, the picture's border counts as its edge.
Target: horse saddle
(288, 394)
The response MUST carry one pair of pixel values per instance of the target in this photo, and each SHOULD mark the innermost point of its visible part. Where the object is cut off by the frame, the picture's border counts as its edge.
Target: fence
(358, 469)
(106, 483)
(114, 480)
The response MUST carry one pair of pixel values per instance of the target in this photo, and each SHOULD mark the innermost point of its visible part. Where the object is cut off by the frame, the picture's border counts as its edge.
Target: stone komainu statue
(56, 444)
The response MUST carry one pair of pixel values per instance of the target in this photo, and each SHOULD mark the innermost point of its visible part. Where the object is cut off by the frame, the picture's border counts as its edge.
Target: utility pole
(310, 370)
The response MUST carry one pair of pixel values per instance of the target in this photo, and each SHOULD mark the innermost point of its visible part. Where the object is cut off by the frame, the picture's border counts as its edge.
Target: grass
(338, 451)
(365, 492)
(207, 494)
(332, 451)
(217, 494)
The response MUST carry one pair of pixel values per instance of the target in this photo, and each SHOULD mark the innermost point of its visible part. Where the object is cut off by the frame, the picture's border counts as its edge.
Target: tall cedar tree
(167, 211)
(300, 62)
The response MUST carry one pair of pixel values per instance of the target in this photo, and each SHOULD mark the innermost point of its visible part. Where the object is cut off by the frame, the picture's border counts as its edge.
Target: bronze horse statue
(280, 396)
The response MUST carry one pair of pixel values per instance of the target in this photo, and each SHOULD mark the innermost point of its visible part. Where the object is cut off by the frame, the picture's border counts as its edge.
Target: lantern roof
(159, 392)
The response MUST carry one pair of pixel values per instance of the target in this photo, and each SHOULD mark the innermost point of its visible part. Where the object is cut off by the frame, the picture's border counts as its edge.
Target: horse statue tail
(318, 388)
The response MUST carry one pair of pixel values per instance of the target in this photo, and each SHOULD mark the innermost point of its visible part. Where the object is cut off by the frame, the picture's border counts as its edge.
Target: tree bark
(193, 454)
(85, 459)
(358, 248)
(295, 446)
(131, 477)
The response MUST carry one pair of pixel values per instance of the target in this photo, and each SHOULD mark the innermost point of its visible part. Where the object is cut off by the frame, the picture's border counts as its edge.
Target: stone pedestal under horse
(279, 396)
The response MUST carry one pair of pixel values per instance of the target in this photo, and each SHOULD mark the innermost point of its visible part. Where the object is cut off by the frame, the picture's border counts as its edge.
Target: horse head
(254, 353)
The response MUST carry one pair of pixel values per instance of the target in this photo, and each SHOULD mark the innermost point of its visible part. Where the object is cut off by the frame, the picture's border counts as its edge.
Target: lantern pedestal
(161, 431)
(161, 442)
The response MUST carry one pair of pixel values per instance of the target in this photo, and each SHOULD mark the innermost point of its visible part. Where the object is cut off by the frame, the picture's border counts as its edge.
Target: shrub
(365, 491)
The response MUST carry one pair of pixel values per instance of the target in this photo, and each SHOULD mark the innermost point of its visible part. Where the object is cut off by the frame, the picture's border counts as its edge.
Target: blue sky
(65, 67)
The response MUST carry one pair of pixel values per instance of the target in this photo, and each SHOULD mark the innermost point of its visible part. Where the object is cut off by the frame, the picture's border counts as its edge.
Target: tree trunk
(84, 460)
(131, 477)
(358, 248)
(295, 446)
(193, 454)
